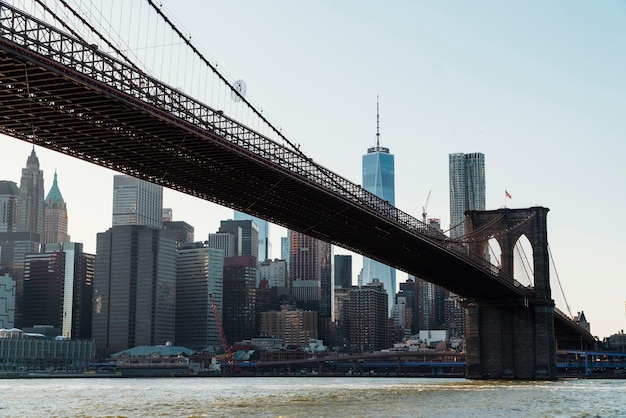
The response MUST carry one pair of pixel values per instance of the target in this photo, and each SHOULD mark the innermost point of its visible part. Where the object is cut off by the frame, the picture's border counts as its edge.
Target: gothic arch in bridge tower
(511, 339)
(507, 226)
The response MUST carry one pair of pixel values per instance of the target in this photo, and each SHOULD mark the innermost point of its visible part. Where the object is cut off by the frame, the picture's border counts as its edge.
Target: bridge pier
(512, 339)
(510, 342)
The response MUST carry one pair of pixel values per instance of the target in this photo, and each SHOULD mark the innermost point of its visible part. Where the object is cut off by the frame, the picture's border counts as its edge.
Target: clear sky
(536, 86)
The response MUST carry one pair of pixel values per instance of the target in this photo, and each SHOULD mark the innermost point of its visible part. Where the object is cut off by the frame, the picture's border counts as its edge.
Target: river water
(309, 397)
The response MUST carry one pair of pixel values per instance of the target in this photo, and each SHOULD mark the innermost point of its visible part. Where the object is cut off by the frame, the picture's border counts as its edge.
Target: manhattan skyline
(535, 87)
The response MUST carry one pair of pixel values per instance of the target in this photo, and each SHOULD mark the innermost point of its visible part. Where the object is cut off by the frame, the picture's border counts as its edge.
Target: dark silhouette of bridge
(67, 95)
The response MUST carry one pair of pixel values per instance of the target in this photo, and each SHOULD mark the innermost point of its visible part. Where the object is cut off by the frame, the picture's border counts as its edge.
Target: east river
(309, 397)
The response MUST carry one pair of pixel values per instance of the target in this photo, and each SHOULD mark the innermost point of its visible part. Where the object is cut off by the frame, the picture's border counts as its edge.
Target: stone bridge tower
(512, 339)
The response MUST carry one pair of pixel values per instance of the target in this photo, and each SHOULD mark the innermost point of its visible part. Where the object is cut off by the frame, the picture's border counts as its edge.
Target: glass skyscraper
(264, 234)
(134, 288)
(199, 274)
(467, 188)
(137, 202)
(378, 178)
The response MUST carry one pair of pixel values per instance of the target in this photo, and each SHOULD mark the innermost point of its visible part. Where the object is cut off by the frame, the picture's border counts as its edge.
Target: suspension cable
(524, 260)
(203, 59)
(559, 282)
(88, 25)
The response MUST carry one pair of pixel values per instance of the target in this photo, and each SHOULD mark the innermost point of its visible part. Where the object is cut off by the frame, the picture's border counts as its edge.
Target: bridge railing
(90, 65)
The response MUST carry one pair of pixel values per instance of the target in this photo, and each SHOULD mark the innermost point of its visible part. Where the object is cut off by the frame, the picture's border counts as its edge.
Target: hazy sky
(536, 86)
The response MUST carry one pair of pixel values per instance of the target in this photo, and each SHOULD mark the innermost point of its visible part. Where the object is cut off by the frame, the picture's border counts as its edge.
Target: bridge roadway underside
(44, 103)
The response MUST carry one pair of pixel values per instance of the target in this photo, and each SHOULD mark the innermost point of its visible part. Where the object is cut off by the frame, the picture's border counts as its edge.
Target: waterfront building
(7, 301)
(264, 234)
(22, 352)
(368, 314)
(295, 327)
(9, 198)
(58, 289)
(379, 178)
(239, 320)
(30, 207)
(467, 188)
(137, 202)
(55, 216)
(199, 274)
(134, 288)
(343, 271)
(246, 234)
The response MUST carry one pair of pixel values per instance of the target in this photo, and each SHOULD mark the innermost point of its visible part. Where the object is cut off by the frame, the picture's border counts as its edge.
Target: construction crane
(425, 207)
(220, 329)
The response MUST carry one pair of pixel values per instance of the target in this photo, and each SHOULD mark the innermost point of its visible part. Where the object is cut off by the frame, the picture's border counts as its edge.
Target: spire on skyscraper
(54, 195)
(377, 124)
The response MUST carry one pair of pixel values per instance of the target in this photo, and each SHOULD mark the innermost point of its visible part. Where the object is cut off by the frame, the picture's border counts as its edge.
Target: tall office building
(368, 314)
(30, 208)
(225, 241)
(467, 188)
(183, 231)
(409, 289)
(9, 198)
(379, 179)
(55, 216)
(295, 327)
(199, 274)
(274, 272)
(311, 277)
(137, 202)
(134, 288)
(239, 318)
(58, 289)
(246, 234)
(343, 271)
(284, 249)
(264, 234)
(310, 272)
(13, 248)
(467, 192)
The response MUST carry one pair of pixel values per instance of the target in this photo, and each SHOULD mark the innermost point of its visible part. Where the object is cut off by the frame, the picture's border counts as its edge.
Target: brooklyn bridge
(67, 88)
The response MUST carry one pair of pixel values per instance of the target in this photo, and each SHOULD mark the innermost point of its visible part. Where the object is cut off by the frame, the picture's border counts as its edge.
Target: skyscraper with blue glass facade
(378, 178)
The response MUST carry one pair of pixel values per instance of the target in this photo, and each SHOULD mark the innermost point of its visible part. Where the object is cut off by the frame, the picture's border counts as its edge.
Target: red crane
(220, 329)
